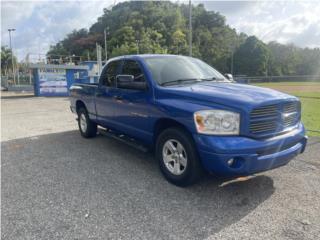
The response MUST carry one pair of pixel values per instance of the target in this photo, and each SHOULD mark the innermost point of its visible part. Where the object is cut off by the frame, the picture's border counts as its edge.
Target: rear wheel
(177, 157)
(87, 128)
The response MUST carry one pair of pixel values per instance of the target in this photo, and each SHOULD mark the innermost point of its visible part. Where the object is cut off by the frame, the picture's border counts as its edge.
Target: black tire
(193, 170)
(91, 127)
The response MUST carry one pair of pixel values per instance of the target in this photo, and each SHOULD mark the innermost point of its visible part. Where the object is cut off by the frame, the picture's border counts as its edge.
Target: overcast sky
(40, 24)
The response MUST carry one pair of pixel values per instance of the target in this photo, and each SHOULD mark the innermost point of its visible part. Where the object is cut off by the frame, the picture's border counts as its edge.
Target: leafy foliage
(290, 60)
(162, 27)
(252, 57)
(6, 60)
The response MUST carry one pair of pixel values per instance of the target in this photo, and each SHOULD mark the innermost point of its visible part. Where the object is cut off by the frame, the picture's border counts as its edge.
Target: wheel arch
(165, 123)
(80, 104)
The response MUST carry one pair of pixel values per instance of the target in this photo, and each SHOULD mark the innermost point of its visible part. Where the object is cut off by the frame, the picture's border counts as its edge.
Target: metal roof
(59, 66)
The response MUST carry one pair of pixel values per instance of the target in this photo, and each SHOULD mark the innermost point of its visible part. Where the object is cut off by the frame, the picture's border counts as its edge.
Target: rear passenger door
(105, 108)
(133, 107)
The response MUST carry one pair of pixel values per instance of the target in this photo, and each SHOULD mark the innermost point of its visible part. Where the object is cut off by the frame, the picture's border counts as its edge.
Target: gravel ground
(57, 185)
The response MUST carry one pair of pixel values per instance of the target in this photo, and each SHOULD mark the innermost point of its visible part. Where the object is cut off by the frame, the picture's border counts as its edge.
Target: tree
(157, 27)
(251, 58)
(291, 60)
(162, 27)
(7, 60)
(178, 41)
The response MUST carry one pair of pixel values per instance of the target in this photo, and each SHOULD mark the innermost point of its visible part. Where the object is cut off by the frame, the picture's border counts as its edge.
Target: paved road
(57, 185)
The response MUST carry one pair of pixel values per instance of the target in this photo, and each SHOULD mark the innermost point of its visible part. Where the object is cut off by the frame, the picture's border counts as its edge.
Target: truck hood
(229, 94)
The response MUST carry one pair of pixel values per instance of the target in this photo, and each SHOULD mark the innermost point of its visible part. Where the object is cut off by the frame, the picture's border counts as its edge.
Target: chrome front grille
(291, 107)
(262, 127)
(270, 110)
(275, 118)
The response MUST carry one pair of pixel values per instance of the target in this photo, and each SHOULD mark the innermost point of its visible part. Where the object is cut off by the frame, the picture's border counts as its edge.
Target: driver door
(132, 106)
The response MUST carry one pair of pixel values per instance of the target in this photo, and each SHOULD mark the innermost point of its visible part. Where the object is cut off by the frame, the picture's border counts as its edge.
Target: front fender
(180, 111)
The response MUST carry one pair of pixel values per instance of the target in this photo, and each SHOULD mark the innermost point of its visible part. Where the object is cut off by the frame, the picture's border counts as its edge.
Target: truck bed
(87, 93)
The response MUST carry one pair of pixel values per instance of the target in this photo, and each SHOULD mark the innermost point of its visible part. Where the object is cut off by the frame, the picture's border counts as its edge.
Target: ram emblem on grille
(284, 116)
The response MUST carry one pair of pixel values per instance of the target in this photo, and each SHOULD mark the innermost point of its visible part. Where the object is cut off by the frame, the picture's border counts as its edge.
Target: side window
(131, 67)
(108, 74)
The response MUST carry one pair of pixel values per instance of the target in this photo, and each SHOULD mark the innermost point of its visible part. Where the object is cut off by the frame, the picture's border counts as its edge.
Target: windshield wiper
(214, 79)
(178, 81)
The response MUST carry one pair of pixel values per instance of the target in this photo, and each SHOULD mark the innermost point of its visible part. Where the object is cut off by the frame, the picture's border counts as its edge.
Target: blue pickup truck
(191, 116)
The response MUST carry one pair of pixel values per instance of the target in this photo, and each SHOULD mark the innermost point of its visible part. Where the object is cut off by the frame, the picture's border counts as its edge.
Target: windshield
(180, 69)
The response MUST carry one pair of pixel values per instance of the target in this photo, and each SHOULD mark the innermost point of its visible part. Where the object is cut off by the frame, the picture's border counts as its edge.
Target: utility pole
(231, 67)
(267, 66)
(190, 29)
(105, 44)
(13, 70)
(99, 59)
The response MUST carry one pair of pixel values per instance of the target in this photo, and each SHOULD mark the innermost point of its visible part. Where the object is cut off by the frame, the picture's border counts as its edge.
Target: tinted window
(109, 73)
(131, 67)
(172, 68)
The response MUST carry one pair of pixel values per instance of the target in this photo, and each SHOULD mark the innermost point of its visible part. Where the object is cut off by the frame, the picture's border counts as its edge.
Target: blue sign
(52, 81)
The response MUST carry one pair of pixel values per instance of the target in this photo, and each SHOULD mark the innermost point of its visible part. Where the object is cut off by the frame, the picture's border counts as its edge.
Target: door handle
(118, 98)
(101, 93)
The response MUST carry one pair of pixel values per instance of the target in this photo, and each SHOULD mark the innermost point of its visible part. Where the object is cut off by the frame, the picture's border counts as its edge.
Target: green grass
(302, 94)
(311, 114)
(310, 101)
(271, 84)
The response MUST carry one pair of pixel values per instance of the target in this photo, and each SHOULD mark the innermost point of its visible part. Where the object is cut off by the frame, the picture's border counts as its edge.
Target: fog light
(230, 161)
(236, 162)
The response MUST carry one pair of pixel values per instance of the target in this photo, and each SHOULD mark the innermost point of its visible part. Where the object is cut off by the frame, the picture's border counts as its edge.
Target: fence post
(30, 76)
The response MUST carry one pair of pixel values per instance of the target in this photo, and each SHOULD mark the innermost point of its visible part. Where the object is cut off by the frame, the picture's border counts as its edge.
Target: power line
(105, 44)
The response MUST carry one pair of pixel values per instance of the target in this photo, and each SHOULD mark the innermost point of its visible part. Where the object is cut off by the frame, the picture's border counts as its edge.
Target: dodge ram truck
(191, 116)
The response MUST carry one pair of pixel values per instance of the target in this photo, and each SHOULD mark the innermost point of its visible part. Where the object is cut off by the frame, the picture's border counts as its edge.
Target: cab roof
(144, 56)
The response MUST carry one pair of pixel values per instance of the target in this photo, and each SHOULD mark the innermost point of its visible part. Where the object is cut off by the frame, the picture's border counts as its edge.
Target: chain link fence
(289, 78)
(21, 81)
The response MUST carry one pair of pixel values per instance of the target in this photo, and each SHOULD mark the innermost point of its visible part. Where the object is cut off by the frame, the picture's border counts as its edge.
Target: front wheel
(87, 128)
(177, 157)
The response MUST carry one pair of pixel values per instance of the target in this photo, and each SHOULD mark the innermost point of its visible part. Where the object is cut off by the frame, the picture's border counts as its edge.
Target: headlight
(217, 122)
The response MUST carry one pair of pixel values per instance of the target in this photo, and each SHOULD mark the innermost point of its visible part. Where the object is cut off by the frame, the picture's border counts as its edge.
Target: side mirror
(127, 82)
(229, 76)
